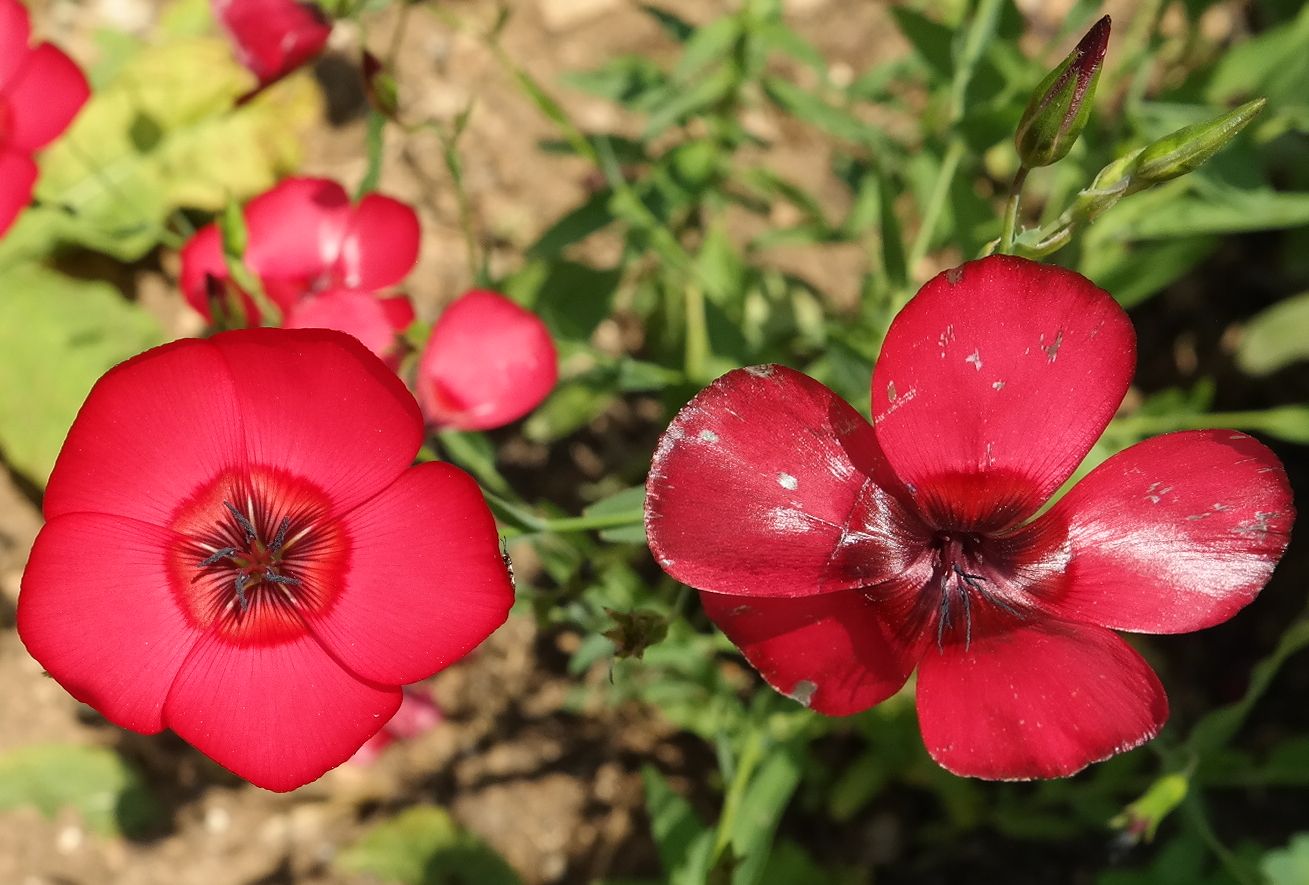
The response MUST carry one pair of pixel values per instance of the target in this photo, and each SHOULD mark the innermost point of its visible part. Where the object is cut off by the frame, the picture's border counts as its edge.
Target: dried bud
(1188, 148)
(1061, 105)
(380, 86)
(634, 632)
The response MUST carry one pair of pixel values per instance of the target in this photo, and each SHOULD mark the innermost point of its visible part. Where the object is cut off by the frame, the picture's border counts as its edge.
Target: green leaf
(1209, 209)
(58, 335)
(628, 79)
(676, 27)
(761, 810)
(1289, 865)
(575, 226)
(630, 500)
(424, 846)
(571, 406)
(813, 110)
(166, 133)
(1276, 337)
(932, 41)
(1136, 271)
(681, 838)
(571, 298)
(108, 793)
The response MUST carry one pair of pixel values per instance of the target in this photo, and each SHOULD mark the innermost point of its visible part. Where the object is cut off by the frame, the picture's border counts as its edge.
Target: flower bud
(380, 86)
(1189, 147)
(1061, 105)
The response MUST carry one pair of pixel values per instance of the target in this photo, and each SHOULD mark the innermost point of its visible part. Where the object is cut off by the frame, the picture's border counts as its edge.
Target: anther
(280, 538)
(242, 581)
(273, 577)
(217, 556)
(243, 521)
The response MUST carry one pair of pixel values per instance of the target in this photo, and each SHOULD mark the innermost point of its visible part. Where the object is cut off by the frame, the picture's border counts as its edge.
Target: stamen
(280, 539)
(242, 581)
(243, 521)
(218, 556)
(273, 577)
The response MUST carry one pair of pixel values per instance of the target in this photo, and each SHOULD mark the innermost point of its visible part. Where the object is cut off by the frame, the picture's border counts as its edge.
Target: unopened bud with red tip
(380, 86)
(1189, 147)
(1061, 105)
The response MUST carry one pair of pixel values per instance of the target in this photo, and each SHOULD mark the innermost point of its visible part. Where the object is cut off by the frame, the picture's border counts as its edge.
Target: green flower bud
(1188, 148)
(1061, 105)
(380, 86)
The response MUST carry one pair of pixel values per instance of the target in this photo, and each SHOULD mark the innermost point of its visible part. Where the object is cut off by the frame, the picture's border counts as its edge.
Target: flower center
(963, 576)
(252, 558)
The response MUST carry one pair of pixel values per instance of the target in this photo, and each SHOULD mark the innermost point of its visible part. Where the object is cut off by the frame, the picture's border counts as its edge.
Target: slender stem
(697, 334)
(1143, 425)
(591, 523)
(1011, 211)
(749, 760)
(954, 153)
(1199, 819)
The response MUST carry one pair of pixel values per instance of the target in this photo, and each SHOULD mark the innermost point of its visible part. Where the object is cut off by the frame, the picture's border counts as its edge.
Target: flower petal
(296, 229)
(273, 37)
(17, 176)
(1003, 369)
(1174, 534)
(152, 431)
(202, 257)
(836, 653)
(44, 96)
(380, 245)
(1040, 700)
(96, 613)
(426, 582)
(754, 482)
(279, 715)
(319, 406)
(15, 31)
(488, 362)
(361, 314)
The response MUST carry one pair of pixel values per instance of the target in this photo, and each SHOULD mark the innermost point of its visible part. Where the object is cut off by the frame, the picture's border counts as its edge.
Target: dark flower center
(252, 558)
(971, 571)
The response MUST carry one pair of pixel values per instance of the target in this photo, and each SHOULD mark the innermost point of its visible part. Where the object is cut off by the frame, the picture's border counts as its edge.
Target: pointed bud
(1188, 148)
(1140, 820)
(380, 86)
(1061, 105)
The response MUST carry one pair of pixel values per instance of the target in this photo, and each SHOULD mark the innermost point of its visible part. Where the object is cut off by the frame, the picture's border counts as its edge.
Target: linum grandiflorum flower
(238, 549)
(487, 363)
(840, 555)
(41, 90)
(320, 260)
(273, 37)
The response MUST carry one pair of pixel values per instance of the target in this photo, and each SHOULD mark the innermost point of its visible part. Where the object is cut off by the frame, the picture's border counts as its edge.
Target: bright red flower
(273, 37)
(238, 549)
(41, 90)
(488, 362)
(840, 555)
(417, 715)
(319, 258)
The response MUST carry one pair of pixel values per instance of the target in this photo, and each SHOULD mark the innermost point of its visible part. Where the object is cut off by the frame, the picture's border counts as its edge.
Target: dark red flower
(319, 259)
(41, 90)
(840, 555)
(417, 715)
(273, 37)
(238, 549)
(488, 362)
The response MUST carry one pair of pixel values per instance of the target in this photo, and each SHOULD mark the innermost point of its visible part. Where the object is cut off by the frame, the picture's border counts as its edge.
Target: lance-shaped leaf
(1061, 105)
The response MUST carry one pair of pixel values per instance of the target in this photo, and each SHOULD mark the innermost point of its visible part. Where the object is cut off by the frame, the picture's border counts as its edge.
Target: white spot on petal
(997, 385)
(787, 481)
(709, 436)
(802, 692)
(975, 358)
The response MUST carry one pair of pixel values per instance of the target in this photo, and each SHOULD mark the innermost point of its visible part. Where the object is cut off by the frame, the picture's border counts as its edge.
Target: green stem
(954, 153)
(1149, 425)
(1199, 820)
(697, 334)
(748, 762)
(1011, 211)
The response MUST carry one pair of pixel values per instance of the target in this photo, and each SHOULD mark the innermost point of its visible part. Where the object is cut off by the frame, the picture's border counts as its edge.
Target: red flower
(840, 555)
(417, 715)
(319, 258)
(273, 37)
(41, 90)
(488, 362)
(238, 549)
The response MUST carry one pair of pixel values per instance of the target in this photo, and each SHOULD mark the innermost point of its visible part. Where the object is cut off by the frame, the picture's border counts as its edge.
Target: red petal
(15, 31)
(399, 311)
(426, 582)
(17, 176)
(836, 653)
(273, 37)
(380, 245)
(488, 362)
(1042, 700)
(361, 314)
(151, 432)
(1004, 369)
(1174, 534)
(754, 482)
(279, 716)
(43, 97)
(95, 611)
(318, 405)
(296, 230)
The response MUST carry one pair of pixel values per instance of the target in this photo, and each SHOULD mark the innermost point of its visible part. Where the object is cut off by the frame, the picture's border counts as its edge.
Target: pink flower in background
(417, 716)
(41, 91)
(488, 362)
(238, 549)
(840, 556)
(319, 258)
(273, 37)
